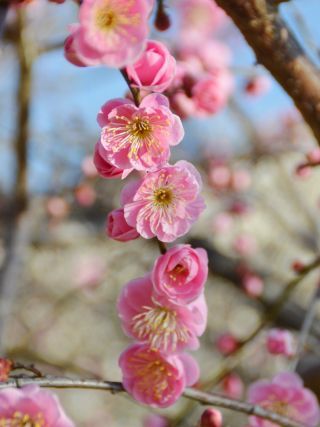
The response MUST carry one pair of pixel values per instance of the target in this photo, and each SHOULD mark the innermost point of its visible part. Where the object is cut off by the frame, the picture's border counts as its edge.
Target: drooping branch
(190, 393)
(279, 51)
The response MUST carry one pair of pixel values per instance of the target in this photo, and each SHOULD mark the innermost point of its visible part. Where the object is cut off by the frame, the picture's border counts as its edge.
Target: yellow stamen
(163, 197)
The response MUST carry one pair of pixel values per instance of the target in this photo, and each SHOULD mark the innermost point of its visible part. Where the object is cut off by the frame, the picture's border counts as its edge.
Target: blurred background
(60, 275)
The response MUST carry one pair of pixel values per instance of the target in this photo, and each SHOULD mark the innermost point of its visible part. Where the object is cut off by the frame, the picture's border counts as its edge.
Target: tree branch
(278, 50)
(190, 393)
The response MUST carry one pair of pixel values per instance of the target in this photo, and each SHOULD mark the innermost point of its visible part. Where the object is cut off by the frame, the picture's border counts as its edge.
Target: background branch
(279, 51)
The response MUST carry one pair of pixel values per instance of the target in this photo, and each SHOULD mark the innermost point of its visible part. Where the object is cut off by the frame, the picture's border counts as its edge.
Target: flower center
(278, 407)
(23, 420)
(106, 19)
(140, 128)
(153, 375)
(160, 326)
(163, 197)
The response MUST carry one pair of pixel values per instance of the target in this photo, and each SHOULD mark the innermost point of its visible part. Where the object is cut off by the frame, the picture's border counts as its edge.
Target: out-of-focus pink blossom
(104, 168)
(57, 207)
(222, 222)
(5, 369)
(139, 137)
(258, 85)
(241, 180)
(211, 55)
(180, 274)
(162, 323)
(286, 396)
(239, 207)
(117, 227)
(88, 167)
(245, 244)
(232, 386)
(303, 171)
(211, 93)
(199, 19)
(211, 418)
(85, 195)
(155, 68)
(280, 341)
(156, 378)
(111, 32)
(166, 202)
(31, 406)
(154, 420)
(220, 177)
(253, 285)
(89, 272)
(227, 343)
(313, 156)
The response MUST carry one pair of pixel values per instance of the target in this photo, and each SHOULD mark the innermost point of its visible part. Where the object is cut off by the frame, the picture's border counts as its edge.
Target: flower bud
(211, 418)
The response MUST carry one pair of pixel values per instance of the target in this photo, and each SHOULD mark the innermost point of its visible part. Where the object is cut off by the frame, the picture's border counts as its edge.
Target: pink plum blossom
(313, 156)
(155, 68)
(211, 92)
(156, 378)
(31, 405)
(180, 274)
(232, 386)
(71, 52)
(139, 137)
(241, 180)
(85, 194)
(211, 55)
(117, 227)
(245, 244)
(162, 323)
(280, 341)
(253, 285)
(104, 168)
(199, 18)
(211, 418)
(155, 420)
(88, 167)
(286, 396)
(227, 343)
(111, 32)
(57, 207)
(199, 93)
(222, 223)
(166, 202)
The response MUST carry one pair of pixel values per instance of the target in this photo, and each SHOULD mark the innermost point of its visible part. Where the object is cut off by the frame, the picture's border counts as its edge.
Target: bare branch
(278, 50)
(190, 393)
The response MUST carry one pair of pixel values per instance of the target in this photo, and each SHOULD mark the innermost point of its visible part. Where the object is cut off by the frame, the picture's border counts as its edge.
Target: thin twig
(134, 91)
(190, 393)
(306, 326)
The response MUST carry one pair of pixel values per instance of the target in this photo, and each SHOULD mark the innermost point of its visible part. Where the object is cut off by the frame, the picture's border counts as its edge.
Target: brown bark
(278, 50)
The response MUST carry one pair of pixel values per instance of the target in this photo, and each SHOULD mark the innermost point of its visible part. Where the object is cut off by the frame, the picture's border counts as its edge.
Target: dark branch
(278, 50)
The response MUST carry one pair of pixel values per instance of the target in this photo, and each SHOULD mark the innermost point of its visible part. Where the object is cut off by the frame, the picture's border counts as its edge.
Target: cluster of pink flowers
(203, 82)
(165, 312)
